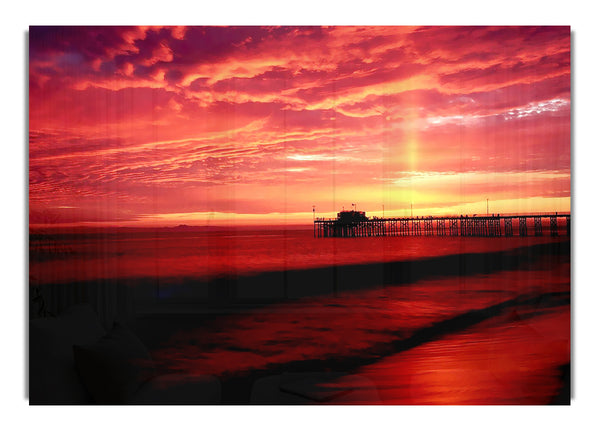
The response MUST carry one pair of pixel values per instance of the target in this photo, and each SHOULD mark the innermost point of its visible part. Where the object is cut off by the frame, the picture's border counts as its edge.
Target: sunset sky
(213, 125)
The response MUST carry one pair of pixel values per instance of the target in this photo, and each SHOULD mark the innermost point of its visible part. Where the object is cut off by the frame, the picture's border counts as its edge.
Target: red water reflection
(106, 254)
(510, 358)
(497, 362)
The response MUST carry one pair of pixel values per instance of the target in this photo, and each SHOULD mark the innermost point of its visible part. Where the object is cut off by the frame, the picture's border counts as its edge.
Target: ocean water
(424, 320)
(63, 256)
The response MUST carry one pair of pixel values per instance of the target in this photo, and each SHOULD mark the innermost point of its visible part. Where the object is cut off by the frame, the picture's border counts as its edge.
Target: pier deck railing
(495, 225)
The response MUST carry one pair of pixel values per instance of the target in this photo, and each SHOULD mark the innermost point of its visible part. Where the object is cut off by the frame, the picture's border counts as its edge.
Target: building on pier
(349, 217)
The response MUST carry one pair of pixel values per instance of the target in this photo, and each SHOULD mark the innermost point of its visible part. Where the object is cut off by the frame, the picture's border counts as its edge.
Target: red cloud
(169, 120)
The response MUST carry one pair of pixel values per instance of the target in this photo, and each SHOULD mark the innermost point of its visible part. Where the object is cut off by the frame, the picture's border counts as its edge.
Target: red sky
(162, 126)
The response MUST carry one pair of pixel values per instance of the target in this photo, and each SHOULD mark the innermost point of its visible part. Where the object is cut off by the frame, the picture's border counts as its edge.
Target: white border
(579, 14)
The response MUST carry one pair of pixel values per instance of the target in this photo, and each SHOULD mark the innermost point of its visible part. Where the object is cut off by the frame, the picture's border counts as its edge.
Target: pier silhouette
(350, 224)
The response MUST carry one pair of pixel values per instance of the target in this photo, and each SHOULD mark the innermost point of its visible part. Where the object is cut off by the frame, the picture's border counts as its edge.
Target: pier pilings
(467, 226)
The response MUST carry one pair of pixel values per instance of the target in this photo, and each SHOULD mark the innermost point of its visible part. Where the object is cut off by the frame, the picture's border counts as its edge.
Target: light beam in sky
(237, 125)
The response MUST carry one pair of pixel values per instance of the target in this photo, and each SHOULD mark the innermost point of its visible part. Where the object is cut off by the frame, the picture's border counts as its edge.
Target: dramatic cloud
(131, 124)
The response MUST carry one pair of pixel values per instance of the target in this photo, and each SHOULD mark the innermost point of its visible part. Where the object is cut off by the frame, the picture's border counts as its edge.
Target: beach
(423, 320)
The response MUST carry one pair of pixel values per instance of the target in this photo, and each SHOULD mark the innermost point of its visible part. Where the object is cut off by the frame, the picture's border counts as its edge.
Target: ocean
(424, 320)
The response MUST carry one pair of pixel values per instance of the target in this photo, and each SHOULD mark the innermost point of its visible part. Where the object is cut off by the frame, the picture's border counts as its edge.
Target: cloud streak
(184, 120)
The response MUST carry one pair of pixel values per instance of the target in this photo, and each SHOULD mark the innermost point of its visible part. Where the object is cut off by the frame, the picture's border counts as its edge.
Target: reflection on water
(57, 258)
(508, 354)
(497, 336)
(508, 360)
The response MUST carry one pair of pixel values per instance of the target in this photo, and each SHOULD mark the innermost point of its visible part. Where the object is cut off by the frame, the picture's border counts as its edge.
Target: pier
(352, 224)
